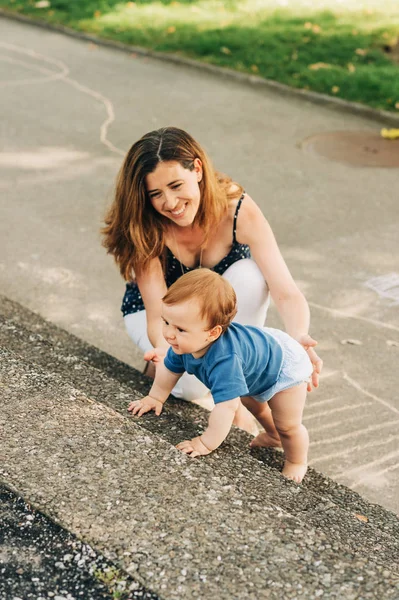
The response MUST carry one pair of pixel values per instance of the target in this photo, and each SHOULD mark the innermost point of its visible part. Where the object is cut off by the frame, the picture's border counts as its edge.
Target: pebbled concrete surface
(228, 526)
(39, 560)
(113, 383)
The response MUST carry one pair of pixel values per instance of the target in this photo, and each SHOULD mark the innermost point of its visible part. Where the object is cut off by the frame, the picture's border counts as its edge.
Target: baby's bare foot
(294, 471)
(265, 440)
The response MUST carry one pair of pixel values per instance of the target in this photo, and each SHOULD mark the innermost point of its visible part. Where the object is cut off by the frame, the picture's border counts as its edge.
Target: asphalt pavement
(70, 111)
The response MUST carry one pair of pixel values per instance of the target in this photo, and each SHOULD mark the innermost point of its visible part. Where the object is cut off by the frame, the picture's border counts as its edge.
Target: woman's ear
(215, 332)
(198, 168)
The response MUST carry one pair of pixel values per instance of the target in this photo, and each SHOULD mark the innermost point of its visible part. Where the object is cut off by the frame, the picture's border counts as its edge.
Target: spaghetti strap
(235, 217)
(133, 301)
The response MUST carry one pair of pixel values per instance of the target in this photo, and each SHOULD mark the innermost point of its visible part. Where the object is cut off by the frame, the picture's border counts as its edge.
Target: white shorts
(296, 368)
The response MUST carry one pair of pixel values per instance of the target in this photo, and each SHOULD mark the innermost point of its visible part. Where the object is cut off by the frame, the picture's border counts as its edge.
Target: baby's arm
(164, 383)
(219, 425)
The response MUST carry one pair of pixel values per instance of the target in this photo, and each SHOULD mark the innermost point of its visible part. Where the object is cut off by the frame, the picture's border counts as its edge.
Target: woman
(173, 213)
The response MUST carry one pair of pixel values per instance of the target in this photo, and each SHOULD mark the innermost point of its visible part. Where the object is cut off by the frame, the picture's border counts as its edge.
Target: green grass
(115, 581)
(346, 48)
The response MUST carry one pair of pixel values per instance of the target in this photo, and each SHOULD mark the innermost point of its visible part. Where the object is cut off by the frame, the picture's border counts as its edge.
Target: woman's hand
(155, 355)
(309, 343)
(140, 407)
(154, 358)
(193, 447)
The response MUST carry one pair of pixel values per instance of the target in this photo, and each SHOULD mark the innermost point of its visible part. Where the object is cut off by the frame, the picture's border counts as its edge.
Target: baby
(264, 368)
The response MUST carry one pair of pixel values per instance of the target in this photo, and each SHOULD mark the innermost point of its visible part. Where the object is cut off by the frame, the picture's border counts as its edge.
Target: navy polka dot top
(132, 300)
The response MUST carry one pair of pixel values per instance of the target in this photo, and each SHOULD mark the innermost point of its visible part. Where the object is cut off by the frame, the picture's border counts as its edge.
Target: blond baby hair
(217, 298)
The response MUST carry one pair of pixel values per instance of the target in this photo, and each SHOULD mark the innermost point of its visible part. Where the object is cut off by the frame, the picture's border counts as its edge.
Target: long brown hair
(134, 231)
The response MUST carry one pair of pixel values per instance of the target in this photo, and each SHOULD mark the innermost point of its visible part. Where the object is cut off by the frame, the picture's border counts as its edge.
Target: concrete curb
(108, 381)
(187, 529)
(338, 104)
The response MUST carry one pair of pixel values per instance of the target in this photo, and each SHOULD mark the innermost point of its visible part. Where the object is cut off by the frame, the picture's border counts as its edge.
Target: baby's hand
(140, 407)
(193, 447)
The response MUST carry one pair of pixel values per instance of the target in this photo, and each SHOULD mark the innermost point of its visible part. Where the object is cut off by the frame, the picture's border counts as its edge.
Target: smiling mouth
(178, 213)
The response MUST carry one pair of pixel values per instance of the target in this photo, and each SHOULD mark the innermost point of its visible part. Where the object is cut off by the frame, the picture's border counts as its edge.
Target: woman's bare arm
(254, 230)
(152, 287)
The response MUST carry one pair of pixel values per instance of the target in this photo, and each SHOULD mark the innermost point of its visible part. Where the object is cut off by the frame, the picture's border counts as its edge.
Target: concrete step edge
(144, 486)
(180, 419)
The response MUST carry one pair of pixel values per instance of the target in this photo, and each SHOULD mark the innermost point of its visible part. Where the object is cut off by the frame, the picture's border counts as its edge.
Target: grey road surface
(71, 109)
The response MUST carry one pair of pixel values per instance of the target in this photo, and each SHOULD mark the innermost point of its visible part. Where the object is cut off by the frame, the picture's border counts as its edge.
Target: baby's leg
(287, 408)
(262, 412)
(244, 420)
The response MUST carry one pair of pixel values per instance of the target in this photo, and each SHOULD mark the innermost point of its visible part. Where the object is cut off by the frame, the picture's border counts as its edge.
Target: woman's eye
(180, 330)
(177, 186)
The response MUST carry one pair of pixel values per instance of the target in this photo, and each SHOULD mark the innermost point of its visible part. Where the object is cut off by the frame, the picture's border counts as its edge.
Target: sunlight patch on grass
(345, 48)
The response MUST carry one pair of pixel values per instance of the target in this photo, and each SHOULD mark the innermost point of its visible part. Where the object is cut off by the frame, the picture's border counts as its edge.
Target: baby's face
(185, 330)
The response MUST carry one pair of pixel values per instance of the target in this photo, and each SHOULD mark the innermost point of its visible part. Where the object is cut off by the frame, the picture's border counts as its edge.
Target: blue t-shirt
(243, 361)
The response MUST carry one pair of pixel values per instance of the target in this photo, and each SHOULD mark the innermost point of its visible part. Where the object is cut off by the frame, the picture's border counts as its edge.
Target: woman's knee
(189, 388)
(136, 327)
(251, 290)
(245, 271)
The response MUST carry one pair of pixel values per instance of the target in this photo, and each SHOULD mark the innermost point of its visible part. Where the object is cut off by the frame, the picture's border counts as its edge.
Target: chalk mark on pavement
(62, 76)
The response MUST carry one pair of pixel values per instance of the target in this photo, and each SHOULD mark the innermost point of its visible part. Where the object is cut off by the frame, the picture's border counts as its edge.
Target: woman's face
(174, 191)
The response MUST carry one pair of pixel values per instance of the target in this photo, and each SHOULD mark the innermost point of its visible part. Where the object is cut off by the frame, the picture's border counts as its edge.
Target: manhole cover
(362, 149)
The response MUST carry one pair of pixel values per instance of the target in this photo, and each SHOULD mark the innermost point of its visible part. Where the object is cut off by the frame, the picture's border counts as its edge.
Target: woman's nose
(170, 200)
